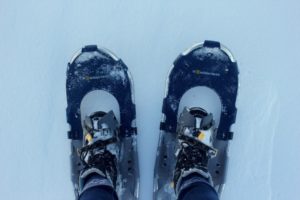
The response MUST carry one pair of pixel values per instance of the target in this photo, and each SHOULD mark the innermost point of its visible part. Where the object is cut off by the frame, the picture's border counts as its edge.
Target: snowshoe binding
(100, 149)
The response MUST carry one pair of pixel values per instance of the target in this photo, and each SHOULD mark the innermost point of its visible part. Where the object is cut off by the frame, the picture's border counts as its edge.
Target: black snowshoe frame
(98, 69)
(211, 65)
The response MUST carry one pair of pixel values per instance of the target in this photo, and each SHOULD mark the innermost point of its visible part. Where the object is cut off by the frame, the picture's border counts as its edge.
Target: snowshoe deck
(211, 65)
(98, 69)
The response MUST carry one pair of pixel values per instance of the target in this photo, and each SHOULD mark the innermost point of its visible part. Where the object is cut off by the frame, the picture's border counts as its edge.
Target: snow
(210, 102)
(38, 38)
(86, 56)
(99, 100)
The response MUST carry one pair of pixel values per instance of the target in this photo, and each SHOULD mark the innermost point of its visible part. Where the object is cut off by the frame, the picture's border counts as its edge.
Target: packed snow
(39, 38)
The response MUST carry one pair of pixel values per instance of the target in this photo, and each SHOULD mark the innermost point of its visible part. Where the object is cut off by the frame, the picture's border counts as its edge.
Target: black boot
(195, 130)
(100, 149)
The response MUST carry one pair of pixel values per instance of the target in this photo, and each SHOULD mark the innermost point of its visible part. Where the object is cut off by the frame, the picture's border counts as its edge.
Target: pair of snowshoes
(93, 69)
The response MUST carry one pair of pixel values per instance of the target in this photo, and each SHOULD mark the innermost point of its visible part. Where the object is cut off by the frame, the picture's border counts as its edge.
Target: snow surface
(38, 38)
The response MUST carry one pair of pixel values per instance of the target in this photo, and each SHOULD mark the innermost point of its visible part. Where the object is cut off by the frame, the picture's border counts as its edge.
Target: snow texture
(38, 38)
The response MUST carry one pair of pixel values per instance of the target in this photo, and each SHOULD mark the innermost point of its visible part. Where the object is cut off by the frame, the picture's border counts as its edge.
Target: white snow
(86, 56)
(99, 100)
(210, 101)
(38, 38)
